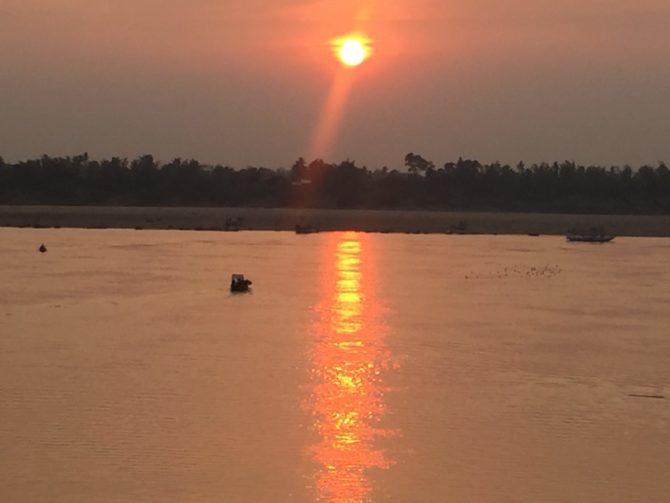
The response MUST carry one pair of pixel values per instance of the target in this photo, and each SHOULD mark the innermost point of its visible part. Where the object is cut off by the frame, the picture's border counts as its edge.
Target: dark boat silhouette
(305, 229)
(239, 284)
(593, 235)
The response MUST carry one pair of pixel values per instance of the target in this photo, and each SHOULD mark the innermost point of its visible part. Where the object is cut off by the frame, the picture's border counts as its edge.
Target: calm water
(362, 368)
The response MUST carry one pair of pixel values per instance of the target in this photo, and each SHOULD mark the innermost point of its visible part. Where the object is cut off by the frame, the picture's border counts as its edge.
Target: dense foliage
(462, 185)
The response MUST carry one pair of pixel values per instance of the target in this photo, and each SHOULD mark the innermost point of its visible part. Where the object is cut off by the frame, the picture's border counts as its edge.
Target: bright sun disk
(352, 50)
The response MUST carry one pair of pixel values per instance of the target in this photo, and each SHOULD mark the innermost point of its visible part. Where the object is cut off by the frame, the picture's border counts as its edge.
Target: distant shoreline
(284, 219)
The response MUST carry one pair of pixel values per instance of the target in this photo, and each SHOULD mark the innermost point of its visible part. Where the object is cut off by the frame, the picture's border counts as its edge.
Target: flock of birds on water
(518, 271)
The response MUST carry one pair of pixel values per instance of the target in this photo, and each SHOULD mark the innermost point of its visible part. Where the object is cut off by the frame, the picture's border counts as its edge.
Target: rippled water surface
(362, 368)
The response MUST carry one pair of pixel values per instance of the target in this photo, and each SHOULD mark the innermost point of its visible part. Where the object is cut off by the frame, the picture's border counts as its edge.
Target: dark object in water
(232, 224)
(239, 284)
(636, 395)
(304, 229)
(42, 248)
(460, 228)
(593, 235)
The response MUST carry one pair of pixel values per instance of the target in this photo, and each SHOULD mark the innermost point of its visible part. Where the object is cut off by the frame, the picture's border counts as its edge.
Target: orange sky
(246, 82)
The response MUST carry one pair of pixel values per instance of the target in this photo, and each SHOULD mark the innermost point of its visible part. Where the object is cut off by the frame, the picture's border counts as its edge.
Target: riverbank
(283, 219)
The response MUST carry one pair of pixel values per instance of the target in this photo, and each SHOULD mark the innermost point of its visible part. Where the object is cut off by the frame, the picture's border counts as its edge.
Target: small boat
(232, 224)
(305, 229)
(42, 248)
(460, 228)
(239, 284)
(593, 235)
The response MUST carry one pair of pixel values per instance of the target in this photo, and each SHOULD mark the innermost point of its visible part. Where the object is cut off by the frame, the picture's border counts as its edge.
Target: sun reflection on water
(348, 360)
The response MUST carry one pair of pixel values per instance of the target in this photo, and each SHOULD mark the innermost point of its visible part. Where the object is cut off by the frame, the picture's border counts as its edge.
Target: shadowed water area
(361, 368)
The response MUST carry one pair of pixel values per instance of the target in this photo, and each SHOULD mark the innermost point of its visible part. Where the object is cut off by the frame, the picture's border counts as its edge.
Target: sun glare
(352, 50)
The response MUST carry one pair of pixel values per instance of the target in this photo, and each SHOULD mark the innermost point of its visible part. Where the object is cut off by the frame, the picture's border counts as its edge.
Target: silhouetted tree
(464, 184)
(417, 164)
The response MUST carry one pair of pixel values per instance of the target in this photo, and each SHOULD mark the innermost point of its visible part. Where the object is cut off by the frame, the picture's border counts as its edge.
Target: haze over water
(362, 368)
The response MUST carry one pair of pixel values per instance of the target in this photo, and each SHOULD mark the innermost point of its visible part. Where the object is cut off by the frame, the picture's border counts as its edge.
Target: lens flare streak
(351, 50)
(330, 118)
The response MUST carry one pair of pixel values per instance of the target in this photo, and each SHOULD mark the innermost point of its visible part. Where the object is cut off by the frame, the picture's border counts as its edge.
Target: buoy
(42, 248)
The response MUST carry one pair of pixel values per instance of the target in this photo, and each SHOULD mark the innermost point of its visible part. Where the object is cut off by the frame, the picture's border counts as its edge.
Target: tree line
(466, 184)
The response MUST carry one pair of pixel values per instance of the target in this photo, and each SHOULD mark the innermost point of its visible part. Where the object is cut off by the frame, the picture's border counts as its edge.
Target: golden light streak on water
(348, 358)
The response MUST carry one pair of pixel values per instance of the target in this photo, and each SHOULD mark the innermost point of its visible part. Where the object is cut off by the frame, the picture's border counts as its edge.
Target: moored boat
(305, 229)
(593, 235)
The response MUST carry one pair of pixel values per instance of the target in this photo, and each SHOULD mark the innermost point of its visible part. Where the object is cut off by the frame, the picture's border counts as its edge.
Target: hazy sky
(245, 82)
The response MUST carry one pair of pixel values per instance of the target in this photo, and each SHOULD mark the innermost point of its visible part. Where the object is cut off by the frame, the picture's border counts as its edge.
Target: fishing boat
(239, 284)
(593, 235)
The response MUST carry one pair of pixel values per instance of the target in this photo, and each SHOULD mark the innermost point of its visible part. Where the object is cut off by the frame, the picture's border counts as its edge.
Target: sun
(352, 50)
(352, 53)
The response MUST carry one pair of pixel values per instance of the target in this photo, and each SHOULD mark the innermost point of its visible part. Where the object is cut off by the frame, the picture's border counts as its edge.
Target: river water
(362, 368)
